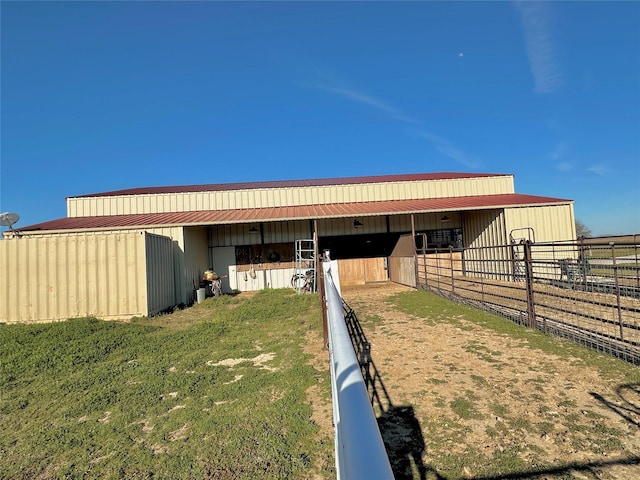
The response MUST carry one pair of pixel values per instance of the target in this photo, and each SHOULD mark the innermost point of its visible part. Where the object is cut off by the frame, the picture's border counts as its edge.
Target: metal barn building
(140, 251)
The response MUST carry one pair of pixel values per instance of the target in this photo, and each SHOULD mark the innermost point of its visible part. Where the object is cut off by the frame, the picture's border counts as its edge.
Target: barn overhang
(276, 214)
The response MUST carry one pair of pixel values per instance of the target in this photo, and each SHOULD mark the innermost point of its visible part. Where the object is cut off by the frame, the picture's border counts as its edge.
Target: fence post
(414, 249)
(617, 282)
(323, 304)
(437, 255)
(424, 265)
(635, 254)
(453, 288)
(528, 275)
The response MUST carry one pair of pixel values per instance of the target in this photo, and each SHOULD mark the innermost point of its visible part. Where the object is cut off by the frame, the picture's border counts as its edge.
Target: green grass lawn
(213, 391)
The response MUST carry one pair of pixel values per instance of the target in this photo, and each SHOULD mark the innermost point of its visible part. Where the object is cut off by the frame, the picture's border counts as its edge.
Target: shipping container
(105, 275)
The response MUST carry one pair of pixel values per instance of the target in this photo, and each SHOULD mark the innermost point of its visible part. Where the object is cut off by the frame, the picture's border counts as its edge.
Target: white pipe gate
(360, 451)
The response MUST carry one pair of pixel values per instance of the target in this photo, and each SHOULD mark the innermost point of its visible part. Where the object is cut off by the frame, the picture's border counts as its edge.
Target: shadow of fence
(399, 427)
(627, 405)
(566, 470)
(402, 433)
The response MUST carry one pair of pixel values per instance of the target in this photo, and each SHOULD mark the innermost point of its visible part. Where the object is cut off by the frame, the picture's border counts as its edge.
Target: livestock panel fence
(587, 291)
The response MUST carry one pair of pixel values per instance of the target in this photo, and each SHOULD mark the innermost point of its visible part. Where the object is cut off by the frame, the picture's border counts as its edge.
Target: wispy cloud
(449, 150)
(376, 103)
(543, 59)
(599, 169)
(443, 145)
(558, 151)
(564, 166)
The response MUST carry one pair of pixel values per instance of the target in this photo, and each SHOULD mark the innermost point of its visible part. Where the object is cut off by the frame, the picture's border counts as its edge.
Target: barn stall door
(358, 271)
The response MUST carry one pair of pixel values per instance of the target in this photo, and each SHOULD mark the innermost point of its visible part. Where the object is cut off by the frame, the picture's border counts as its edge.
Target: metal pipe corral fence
(360, 451)
(587, 290)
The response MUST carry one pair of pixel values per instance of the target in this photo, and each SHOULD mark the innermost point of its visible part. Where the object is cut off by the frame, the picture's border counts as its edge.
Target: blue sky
(98, 96)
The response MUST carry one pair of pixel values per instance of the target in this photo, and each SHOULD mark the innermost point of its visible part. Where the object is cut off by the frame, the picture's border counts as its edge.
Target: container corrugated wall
(160, 289)
(277, 197)
(179, 266)
(65, 276)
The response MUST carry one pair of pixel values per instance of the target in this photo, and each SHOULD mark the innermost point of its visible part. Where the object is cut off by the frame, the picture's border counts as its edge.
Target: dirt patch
(259, 361)
(456, 391)
(178, 434)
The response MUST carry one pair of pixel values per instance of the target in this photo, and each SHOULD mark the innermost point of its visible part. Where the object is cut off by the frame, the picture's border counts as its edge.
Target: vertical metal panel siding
(275, 197)
(274, 232)
(485, 228)
(65, 276)
(341, 226)
(399, 223)
(432, 221)
(550, 223)
(159, 273)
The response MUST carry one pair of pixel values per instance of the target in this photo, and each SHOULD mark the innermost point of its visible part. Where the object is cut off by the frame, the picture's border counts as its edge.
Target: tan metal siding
(432, 221)
(286, 232)
(378, 224)
(344, 226)
(227, 235)
(65, 276)
(259, 198)
(196, 252)
(274, 232)
(485, 228)
(550, 223)
(400, 223)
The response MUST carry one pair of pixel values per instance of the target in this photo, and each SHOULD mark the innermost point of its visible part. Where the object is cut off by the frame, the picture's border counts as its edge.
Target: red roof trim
(290, 183)
(210, 217)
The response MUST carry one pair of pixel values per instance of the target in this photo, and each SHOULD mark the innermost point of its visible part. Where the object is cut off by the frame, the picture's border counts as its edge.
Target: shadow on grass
(399, 427)
(565, 469)
(627, 405)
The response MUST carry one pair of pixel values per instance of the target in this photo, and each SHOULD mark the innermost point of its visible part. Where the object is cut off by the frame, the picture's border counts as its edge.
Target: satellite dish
(9, 219)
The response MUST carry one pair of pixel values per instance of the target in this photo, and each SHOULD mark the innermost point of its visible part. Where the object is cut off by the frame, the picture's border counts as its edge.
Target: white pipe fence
(360, 451)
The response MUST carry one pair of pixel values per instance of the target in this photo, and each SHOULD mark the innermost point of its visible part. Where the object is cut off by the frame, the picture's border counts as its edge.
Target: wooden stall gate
(358, 271)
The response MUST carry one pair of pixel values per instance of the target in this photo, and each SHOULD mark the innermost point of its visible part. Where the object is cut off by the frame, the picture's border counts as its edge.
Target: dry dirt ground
(458, 400)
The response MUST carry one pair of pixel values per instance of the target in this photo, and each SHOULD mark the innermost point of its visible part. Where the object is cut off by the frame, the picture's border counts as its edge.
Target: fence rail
(585, 292)
(360, 451)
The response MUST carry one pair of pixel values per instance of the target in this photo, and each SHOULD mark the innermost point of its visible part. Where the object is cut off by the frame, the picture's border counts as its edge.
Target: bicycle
(304, 282)
(214, 282)
(216, 287)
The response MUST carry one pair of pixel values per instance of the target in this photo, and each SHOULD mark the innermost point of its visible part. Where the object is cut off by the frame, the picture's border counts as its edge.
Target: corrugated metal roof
(291, 183)
(360, 209)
